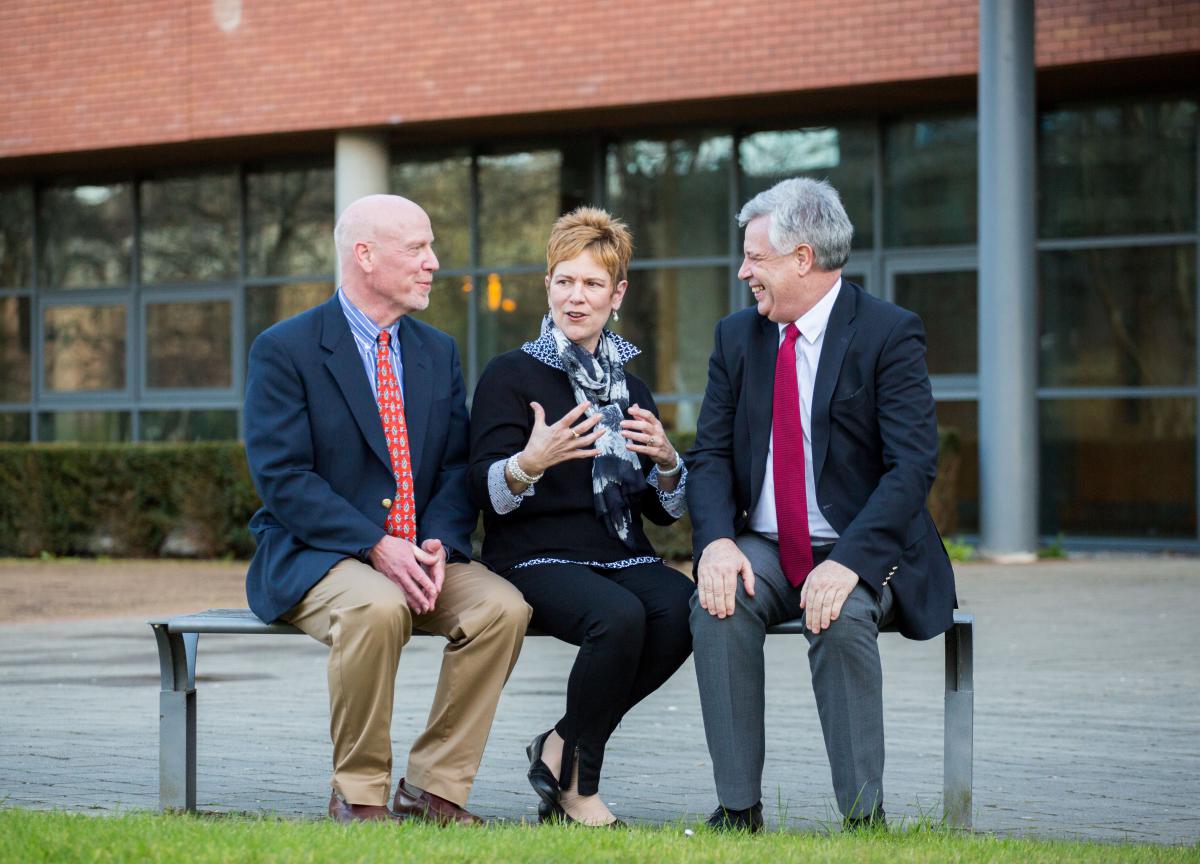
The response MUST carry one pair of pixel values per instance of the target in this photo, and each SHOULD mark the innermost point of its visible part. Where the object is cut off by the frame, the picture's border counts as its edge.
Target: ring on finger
(574, 434)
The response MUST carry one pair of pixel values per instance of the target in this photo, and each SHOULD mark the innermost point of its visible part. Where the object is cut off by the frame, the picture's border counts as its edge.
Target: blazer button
(386, 503)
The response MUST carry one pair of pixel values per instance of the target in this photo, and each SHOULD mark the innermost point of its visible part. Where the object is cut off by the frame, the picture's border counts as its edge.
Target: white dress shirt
(812, 327)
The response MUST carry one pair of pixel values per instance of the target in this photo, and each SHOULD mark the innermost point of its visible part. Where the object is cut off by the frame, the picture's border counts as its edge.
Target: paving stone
(1087, 716)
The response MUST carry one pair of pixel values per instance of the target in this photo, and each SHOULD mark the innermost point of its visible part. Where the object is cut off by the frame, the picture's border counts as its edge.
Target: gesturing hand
(824, 592)
(558, 442)
(645, 434)
(721, 563)
(404, 564)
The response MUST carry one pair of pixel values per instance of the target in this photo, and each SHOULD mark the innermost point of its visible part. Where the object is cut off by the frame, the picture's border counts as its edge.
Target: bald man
(357, 438)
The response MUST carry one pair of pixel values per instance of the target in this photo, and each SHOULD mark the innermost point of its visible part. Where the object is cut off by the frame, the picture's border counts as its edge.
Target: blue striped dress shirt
(366, 332)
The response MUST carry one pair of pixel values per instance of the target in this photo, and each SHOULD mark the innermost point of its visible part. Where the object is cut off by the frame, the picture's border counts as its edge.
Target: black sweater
(559, 519)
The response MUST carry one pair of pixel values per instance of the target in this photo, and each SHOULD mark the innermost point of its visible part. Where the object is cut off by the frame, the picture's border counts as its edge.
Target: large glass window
(674, 194)
(188, 344)
(84, 426)
(266, 304)
(948, 306)
(84, 348)
(843, 156)
(15, 341)
(188, 425)
(930, 181)
(520, 196)
(289, 222)
(441, 184)
(189, 228)
(958, 466)
(1127, 168)
(14, 428)
(1119, 317)
(16, 236)
(447, 310)
(670, 314)
(86, 235)
(1119, 467)
(511, 309)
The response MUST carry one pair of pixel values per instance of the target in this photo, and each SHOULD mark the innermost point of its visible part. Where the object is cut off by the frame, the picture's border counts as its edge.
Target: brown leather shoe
(344, 813)
(430, 807)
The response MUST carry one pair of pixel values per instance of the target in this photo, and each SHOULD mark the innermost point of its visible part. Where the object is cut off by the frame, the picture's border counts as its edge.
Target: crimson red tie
(787, 462)
(402, 517)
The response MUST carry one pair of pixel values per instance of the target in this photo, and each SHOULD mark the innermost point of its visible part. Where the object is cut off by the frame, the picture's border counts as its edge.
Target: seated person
(563, 502)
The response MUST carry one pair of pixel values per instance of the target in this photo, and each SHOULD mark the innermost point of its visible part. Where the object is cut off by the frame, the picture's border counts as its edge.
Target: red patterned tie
(402, 518)
(787, 461)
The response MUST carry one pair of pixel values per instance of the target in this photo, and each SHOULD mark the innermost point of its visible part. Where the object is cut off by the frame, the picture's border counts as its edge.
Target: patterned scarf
(600, 379)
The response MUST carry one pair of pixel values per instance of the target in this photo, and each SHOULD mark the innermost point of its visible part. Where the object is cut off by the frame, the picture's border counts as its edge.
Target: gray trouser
(846, 677)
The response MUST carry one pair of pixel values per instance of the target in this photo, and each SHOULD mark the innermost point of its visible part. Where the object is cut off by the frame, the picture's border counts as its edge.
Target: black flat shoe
(541, 778)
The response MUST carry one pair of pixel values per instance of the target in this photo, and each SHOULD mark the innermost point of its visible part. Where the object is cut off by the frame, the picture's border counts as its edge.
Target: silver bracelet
(675, 470)
(514, 468)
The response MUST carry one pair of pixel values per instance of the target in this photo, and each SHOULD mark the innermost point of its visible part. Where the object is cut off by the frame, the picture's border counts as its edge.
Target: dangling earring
(616, 315)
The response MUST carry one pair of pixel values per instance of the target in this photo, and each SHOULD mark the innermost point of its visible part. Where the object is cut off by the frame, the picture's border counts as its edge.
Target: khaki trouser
(364, 619)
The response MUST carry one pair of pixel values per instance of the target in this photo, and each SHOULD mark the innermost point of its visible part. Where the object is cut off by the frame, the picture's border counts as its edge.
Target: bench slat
(245, 621)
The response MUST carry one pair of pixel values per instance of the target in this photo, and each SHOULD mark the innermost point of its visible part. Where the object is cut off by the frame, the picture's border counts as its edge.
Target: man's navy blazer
(874, 442)
(319, 458)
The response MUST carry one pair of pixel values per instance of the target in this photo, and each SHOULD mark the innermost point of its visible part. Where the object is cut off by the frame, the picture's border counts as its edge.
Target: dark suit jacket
(319, 458)
(874, 442)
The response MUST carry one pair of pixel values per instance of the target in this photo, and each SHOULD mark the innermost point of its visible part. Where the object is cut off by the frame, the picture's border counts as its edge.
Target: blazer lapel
(838, 334)
(418, 389)
(346, 366)
(760, 397)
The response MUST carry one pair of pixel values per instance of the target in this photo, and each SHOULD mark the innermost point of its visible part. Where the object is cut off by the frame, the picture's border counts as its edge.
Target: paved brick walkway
(1087, 716)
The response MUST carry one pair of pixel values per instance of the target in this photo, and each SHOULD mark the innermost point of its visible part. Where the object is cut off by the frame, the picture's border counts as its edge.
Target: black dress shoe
(877, 821)
(542, 779)
(724, 819)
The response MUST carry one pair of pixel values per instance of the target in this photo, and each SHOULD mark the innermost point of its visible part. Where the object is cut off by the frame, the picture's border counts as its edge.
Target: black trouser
(631, 626)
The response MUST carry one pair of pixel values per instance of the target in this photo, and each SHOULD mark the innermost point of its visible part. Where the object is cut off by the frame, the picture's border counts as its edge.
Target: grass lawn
(31, 836)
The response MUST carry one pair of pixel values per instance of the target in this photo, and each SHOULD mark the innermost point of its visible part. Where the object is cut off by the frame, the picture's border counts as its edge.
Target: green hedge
(133, 500)
(145, 500)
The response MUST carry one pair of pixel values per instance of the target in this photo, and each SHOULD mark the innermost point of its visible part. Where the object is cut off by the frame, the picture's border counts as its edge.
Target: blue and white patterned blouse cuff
(675, 501)
(503, 500)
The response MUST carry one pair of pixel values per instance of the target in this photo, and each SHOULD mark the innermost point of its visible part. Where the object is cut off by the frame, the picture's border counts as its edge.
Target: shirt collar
(364, 329)
(813, 322)
(545, 349)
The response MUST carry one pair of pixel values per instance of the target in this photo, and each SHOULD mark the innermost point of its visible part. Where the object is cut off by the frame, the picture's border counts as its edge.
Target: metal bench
(178, 639)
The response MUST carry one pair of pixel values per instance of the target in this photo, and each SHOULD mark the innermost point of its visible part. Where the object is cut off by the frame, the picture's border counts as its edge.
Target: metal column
(1008, 321)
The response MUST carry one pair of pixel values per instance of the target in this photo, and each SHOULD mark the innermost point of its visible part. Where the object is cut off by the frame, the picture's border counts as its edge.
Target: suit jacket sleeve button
(386, 503)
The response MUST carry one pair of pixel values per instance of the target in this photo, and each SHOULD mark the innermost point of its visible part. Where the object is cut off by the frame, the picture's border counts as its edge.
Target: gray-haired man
(815, 449)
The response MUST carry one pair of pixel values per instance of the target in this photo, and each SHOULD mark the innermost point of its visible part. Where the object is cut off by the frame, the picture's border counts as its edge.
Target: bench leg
(176, 721)
(959, 731)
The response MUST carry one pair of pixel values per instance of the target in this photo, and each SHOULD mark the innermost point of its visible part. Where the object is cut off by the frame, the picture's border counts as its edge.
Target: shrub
(125, 499)
(144, 500)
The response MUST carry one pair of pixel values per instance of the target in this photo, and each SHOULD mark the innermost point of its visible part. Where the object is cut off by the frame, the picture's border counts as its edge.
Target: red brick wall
(113, 73)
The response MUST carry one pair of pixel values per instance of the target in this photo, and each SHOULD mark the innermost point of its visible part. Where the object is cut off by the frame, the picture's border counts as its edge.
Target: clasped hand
(419, 571)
